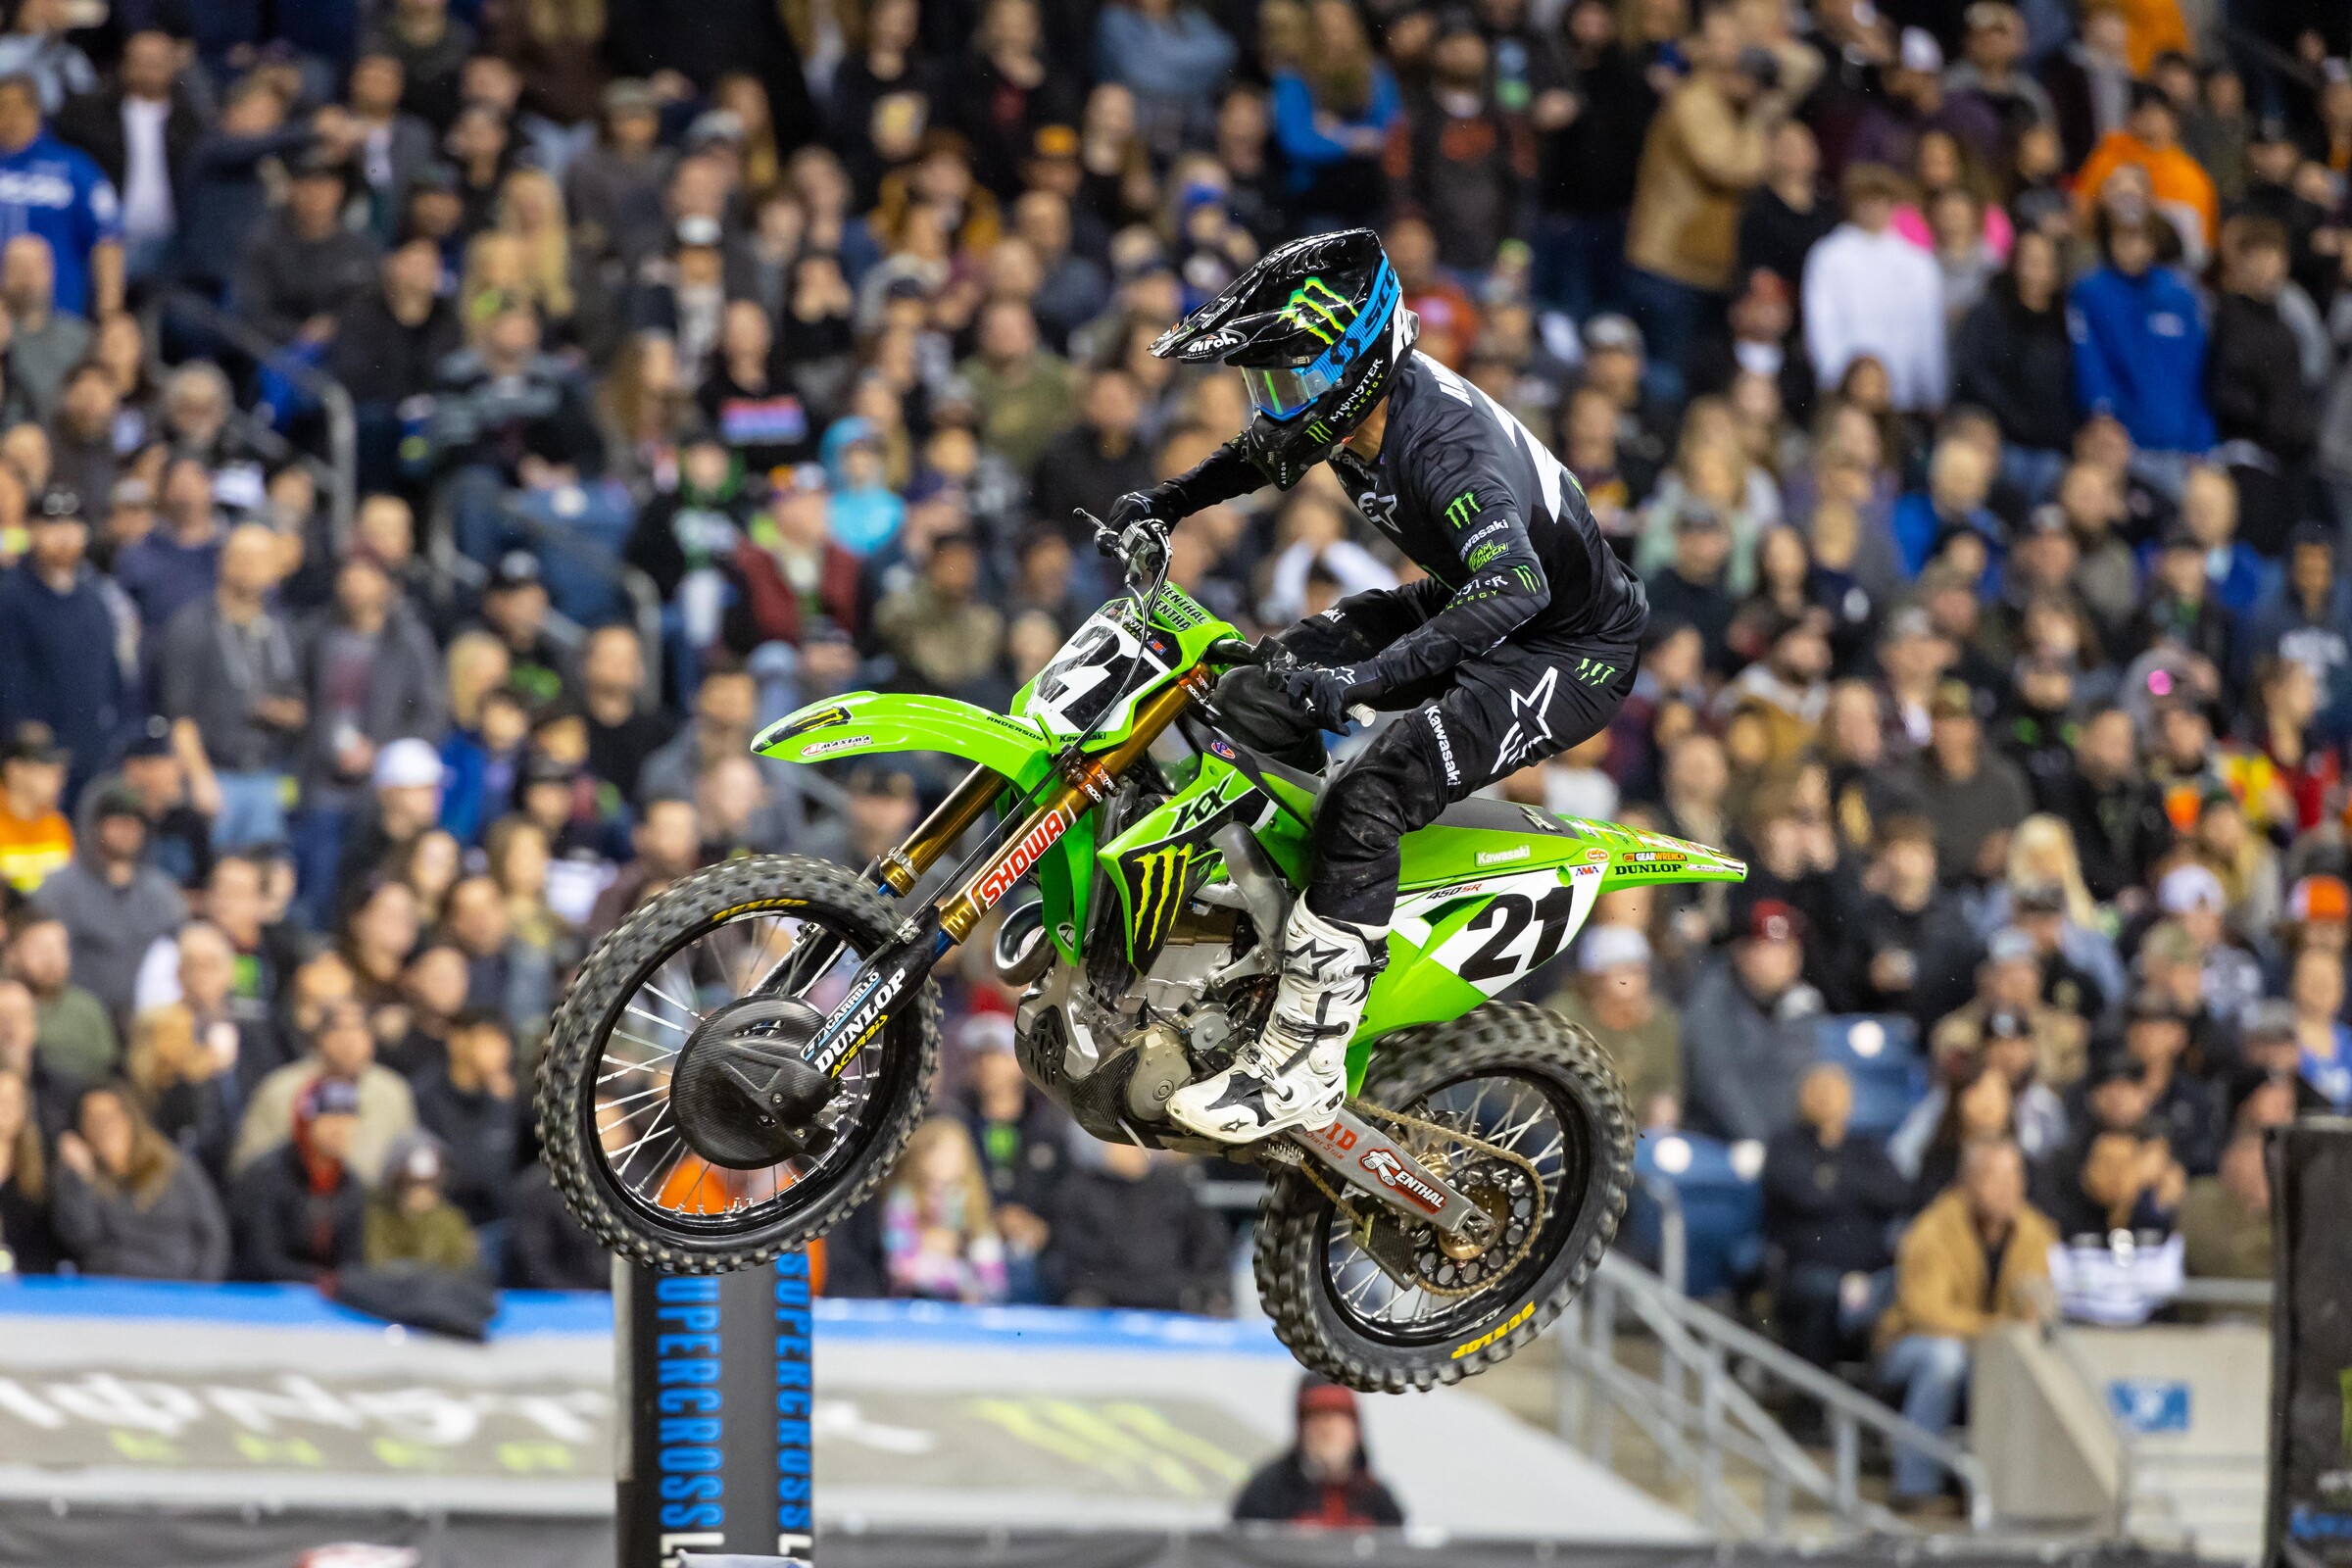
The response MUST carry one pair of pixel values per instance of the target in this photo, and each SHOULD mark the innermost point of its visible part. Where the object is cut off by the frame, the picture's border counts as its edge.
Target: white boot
(1296, 1074)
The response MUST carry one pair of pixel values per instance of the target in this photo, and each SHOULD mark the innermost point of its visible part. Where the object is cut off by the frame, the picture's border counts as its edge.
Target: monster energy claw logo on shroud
(1315, 308)
(1160, 877)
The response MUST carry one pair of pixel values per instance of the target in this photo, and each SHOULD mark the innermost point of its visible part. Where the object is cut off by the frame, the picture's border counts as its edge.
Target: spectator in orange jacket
(2151, 140)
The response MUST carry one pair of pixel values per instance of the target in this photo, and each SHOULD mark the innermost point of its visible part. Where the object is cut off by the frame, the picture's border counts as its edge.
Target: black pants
(1528, 698)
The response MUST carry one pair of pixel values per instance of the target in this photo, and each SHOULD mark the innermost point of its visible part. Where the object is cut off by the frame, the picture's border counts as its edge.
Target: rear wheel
(1519, 1110)
(608, 1121)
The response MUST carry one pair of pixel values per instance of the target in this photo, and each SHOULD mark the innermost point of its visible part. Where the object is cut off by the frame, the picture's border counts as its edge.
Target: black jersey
(1499, 523)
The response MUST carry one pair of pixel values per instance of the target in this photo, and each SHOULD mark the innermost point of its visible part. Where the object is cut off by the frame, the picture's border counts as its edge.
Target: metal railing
(1700, 1411)
(341, 468)
(645, 600)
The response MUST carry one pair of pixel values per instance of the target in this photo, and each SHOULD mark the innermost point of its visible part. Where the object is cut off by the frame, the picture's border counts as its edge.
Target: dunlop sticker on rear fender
(1473, 1347)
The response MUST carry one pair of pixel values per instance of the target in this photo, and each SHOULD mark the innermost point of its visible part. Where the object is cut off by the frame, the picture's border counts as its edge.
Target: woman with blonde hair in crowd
(2044, 863)
(939, 1235)
(517, 851)
(741, 94)
(530, 212)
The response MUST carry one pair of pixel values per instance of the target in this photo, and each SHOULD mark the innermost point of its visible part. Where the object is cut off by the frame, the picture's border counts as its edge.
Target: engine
(1111, 1044)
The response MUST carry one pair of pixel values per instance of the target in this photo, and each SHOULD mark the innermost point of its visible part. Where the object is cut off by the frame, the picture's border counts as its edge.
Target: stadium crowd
(1970, 383)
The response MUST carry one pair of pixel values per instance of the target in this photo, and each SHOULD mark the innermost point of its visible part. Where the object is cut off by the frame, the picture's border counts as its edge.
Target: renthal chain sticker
(1021, 857)
(1401, 1179)
(854, 1022)
(1473, 1347)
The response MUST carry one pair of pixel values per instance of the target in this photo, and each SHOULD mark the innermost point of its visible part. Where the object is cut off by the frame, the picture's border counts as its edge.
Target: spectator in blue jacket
(58, 649)
(61, 194)
(1331, 118)
(2139, 342)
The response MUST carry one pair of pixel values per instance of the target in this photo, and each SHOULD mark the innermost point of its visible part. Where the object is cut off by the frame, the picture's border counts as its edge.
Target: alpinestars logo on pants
(1531, 722)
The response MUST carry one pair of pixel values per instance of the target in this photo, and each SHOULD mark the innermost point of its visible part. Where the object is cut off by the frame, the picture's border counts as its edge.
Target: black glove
(1254, 709)
(1321, 695)
(1139, 506)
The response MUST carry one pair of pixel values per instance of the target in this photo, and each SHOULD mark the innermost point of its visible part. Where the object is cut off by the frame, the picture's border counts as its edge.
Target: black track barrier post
(713, 1381)
(2309, 1519)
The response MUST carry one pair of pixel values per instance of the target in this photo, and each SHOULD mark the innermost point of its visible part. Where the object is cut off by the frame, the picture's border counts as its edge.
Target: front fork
(800, 1087)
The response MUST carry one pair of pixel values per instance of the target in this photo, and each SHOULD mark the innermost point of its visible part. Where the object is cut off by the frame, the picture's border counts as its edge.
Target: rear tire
(1295, 1229)
(702, 1243)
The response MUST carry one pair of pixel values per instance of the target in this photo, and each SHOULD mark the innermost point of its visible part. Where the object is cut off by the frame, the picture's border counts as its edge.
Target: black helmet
(1315, 328)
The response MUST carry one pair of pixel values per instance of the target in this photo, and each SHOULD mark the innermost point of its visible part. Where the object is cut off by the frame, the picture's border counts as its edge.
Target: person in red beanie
(1323, 1478)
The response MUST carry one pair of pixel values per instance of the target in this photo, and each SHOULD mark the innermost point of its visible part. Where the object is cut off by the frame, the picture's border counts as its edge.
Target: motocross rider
(1520, 642)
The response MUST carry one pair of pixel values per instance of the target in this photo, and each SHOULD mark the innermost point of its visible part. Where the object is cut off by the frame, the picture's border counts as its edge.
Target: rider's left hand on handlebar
(1319, 694)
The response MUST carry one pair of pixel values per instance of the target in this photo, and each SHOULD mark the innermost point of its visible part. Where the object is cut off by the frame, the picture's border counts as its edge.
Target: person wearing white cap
(2192, 896)
(1611, 998)
(404, 801)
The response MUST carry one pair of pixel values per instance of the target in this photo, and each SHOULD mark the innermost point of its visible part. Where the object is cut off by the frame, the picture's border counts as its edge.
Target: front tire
(1309, 1265)
(688, 1237)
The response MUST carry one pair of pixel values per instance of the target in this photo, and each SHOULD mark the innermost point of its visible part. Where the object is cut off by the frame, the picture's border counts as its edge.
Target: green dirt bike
(739, 1064)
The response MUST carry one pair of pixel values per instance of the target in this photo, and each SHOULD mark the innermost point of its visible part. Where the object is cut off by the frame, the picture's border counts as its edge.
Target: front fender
(861, 723)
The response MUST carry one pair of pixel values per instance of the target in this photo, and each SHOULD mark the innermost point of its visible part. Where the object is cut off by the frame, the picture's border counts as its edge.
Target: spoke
(666, 1023)
(629, 1154)
(658, 1177)
(696, 1014)
(623, 1100)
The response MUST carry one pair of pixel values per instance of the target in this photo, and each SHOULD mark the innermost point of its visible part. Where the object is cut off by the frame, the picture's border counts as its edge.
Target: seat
(1881, 1055)
(1721, 1193)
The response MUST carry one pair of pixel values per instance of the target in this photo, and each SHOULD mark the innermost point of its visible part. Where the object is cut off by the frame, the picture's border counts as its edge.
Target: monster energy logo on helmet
(1318, 310)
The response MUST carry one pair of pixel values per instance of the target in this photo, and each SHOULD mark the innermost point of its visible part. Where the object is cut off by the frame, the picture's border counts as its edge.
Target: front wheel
(1518, 1109)
(606, 1121)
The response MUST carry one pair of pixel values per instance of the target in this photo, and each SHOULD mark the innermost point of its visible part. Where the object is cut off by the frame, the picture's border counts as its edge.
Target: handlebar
(1141, 548)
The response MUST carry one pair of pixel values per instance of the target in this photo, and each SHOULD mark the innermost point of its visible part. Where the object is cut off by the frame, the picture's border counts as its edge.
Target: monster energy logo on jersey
(1315, 308)
(1461, 509)
(1160, 877)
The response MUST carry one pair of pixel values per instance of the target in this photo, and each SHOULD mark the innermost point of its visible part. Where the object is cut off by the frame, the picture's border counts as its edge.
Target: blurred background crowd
(437, 433)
